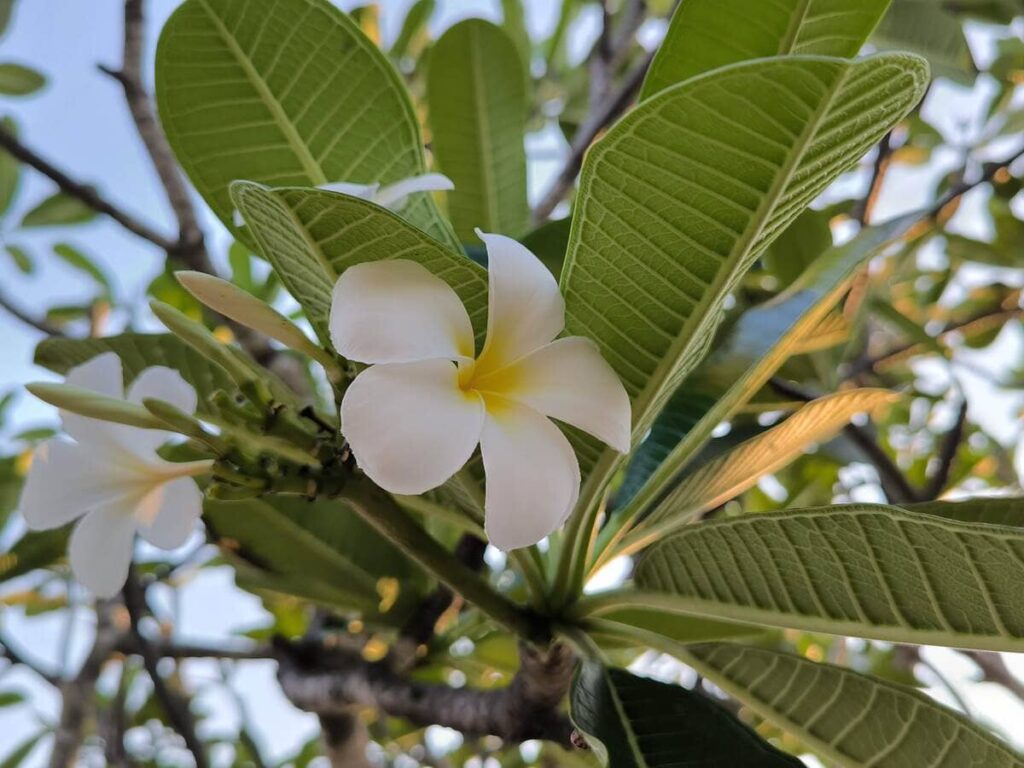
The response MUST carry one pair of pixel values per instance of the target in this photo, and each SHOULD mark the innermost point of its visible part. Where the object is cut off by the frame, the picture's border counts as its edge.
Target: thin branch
(994, 670)
(176, 707)
(40, 325)
(947, 455)
(77, 695)
(331, 682)
(958, 190)
(81, 192)
(191, 248)
(883, 161)
(895, 484)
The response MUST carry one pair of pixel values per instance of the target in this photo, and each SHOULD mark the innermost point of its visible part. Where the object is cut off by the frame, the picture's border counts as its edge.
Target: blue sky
(81, 123)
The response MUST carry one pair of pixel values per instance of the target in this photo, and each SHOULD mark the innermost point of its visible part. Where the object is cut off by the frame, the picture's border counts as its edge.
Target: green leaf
(633, 722)
(548, 243)
(58, 210)
(10, 170)
(707, 34)
(867, 570)
(6, 12)
(745, 355)
(36, 549)
(927, 28)
(477, 95)
(311, 236)
(321, 551)
(140, 351)
(19, 80)
(678, 200)
(414, 25)
(849, 718)
(21, 258)
(76, 259)
(994, 510)
(288, 93)
(804, 240)
(637, 623)
(17, 756)
(728, 475)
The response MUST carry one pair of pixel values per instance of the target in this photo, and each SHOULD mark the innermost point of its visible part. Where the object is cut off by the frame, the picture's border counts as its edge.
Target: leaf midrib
(287, 127)
(796, 22)
(627, 724)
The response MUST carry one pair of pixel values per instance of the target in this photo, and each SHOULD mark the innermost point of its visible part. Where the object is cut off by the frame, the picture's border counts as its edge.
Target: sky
(80, 122)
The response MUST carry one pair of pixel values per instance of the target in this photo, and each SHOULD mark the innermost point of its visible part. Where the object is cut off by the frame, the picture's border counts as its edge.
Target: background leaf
(928, 28)
(58, 210)
(853, 719)
(76, 259)
(707, 34)
(803, 241)
(477, 95)
(19, 80)
(289, 93)
(641, 723)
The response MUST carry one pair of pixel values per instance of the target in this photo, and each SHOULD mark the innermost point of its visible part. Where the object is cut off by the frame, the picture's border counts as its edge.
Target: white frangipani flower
(112, 477)
(415, 417)
(393, 196)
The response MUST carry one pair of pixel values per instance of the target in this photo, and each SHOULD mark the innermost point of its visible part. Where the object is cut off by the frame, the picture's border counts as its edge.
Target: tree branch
(947, 455)
(40, 325)
(994, 670)
(81, 192)
(331, 682)
(175, 706)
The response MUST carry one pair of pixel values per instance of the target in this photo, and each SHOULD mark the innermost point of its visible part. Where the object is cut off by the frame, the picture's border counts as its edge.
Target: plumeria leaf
(414, 26)
(999, 510)
(19, 80)
(74, 258)
(36, 549)
(678, 200)
(868, 570)
(477, 96)
(928, 28)
(633, 722)
(708, 34)
(320, 551)
(10, 171)
(21, 258)
(285, 92)
(311, 236)
(849, 718)
(745, 355)
(807, 238)
(58, 210)
(728, 475)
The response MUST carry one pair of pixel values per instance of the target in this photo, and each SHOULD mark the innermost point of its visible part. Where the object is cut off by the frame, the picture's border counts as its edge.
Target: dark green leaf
(58, 210)
(10, 171)
(21, 258)
(19, 80)
(36, 549)
(74, 258)
(798, 246)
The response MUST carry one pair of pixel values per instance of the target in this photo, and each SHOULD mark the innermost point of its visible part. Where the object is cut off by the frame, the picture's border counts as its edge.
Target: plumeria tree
(482, 461)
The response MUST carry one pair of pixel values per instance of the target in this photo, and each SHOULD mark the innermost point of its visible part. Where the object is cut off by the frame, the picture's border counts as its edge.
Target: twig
(994, 670)
(190, 248)
(947, 455)
(883, 157)
(81, 192)
(989, 170)
(176, 707)
(896, 485)
(333, 681)
(114, 724)
(604, 113)
(40, 325)
(77, 693)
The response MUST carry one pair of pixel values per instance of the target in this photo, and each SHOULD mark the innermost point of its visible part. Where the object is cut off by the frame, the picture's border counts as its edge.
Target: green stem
(378, 509)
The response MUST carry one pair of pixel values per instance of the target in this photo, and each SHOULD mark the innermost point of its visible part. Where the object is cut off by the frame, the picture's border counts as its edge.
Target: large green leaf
(679, 198)
(728, 475)
(477, 95)
(311, 236)
(708, 34)
(862, 569)
(852, 719)
(633, 722)
(807, 238)
(321, 551)
(995, 510)
(288, 93)
(928, 28)
(745, 355)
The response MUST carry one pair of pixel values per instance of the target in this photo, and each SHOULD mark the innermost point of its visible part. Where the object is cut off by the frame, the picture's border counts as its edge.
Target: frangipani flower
(112, 477)
(393, 196)
(415, 417)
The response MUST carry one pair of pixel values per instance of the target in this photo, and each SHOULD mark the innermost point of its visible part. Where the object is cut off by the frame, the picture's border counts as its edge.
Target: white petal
(525, 308)
(362, 191)
(65, 481)
(101, 374)
(568, 380)
(101, 549)
(397, 312)
(533, 477)
(395, 195)
(410, 426)
(167, 515)
(164, 384)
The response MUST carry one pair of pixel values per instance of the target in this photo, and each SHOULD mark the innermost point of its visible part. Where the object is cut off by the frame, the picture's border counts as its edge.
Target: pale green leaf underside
(477, 96)
(680, 197)
(311, 236)
(286, 93)
(729, 475)
(853, 719)
(708, 34)
(994, 510)
(866, 570)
